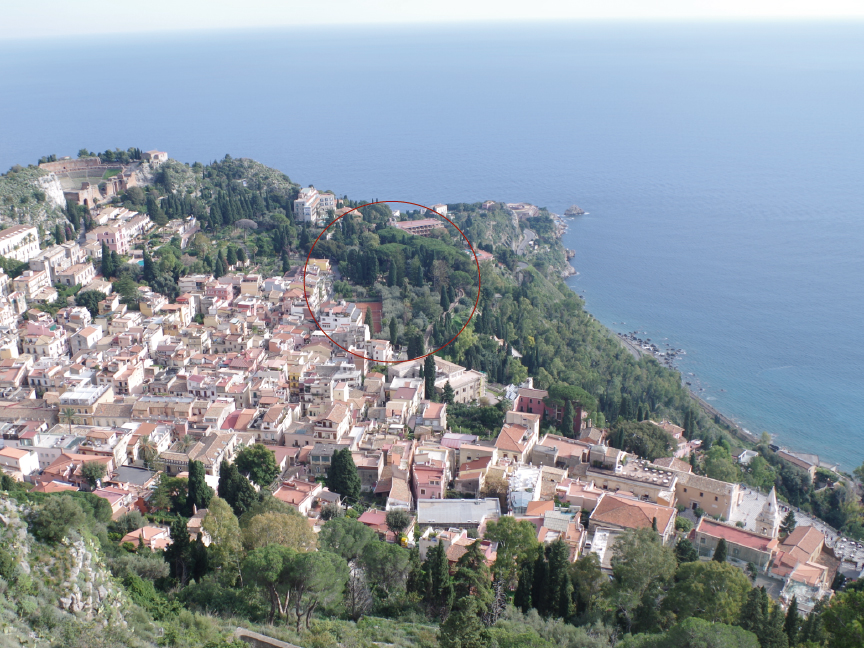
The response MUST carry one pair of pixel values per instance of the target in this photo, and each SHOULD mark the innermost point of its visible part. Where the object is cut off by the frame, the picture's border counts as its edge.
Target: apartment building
(19, 242)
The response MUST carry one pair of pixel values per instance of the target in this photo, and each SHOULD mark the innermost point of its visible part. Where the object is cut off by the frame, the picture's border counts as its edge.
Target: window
(685, 490)
(716, 499)
(422, 491)
(701, 494)
(702, 540)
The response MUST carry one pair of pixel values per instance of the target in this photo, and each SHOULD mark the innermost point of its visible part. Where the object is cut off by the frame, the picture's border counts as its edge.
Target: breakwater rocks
(665, 356)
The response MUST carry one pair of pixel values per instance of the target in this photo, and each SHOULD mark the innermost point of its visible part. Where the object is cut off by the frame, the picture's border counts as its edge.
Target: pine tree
(199, 493)
(447, 396)
(793, 621)
(789, 523)
(342, 477)
(720, 551)
(685, 551)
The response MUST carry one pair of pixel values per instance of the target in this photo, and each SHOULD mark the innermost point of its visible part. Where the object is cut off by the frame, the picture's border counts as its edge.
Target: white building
(19, 242)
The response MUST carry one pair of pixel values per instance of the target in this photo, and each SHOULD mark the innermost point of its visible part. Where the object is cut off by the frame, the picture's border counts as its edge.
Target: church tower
(768, 520)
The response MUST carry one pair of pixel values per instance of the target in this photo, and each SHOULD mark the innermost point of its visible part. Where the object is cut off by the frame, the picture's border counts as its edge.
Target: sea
(721, 165)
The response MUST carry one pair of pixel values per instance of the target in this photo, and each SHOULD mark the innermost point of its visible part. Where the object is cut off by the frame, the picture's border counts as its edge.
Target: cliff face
(50, 184)
(68, 576)
(29, 196)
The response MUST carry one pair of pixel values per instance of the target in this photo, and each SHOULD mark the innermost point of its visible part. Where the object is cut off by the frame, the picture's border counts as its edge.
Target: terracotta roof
(806, 538)
(735, 535)
(510, 438)
(539, 508)
(631, 513)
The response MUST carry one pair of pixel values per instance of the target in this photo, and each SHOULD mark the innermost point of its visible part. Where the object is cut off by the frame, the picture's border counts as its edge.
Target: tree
(108, 268)
(387, 566)
(789, 523)
(224, 530)
(438, 594)
(232, 256)
(235, 489)
(90, 299)
(314, 580)
(754, 610)
(170, 494)
(268, 567)
(447, 395)
(694, 633)
(472, 577)
(792, 624)
(588, 580)
(429, 376)
(342, 477)
(720, 551)
(259, 462)
(178, 554)
(241, 255)
(397, 521)
(718, 464)
(710, 590)
(464, 627)
(57, 517)
(279, 528)
(149, 270)
(148, 451)
(93, 471)
(640, 567)
(644, 439)
(445, 300)
(200, 493)
(70, 416)
(345, 537)
(331, 510)
(568, 422)
(394, 331)
(685, 551)
(844, 620)
(517, 545)
(560, 594)
(522, 597)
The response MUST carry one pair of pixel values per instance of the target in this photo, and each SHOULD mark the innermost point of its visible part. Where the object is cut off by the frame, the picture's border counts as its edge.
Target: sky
(56, 18)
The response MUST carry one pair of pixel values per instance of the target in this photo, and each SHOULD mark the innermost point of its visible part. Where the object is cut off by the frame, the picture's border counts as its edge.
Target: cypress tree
(569, 420)
(286, 264)
(394, 328)
(540, 585)
(241, 255)
(522, 596)
(447, 396)
(343, 477)
(793, 621)
(445, 301)
(391, 275)
(429, 376)
(149, 269)
(720, 551)
(219, 270)
(438, 596)
(773, 633)
(235, 489)
(369, 320)
(232, 257)
(199, 493)
(107, 268)
(560, 601)
(179, 553)
(752, 617)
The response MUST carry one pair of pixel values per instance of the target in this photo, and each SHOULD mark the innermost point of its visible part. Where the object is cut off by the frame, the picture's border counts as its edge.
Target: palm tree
(69, 415)
(149, 452)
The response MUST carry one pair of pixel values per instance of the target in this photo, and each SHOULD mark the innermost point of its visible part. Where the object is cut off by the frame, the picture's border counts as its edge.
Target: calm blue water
(721, 165)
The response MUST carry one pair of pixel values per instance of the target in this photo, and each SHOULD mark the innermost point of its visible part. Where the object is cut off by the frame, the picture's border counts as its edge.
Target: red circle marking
(401, 202)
